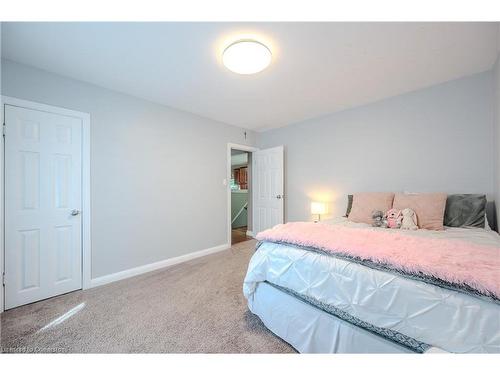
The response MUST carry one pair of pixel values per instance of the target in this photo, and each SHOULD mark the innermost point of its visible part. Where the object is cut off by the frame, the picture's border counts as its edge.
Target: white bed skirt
(311, 330)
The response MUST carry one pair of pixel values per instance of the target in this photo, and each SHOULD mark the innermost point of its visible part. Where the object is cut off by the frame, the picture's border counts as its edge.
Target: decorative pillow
(465, 210)
(429, 208)
(363, 204)
(349, 205)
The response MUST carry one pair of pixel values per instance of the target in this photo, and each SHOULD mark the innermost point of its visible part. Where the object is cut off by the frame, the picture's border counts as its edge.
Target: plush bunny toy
(393, 218)
(409, 219)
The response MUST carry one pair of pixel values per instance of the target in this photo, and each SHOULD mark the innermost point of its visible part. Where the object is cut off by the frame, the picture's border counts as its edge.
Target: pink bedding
(454, 261)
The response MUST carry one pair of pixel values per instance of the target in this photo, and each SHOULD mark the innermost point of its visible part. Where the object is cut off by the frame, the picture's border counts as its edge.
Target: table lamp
(318, 208)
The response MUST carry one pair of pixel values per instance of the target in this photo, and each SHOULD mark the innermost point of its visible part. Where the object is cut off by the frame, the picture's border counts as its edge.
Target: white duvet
(449, 320)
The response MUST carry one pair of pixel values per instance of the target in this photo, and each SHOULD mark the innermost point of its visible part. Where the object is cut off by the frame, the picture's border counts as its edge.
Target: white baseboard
(249, 233)
(154, 266)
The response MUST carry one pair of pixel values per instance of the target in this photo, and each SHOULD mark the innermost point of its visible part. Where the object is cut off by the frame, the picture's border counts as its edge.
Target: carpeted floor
(193, 307)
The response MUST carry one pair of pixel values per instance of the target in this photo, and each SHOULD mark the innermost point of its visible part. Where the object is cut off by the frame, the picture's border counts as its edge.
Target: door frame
(234, 146)
(86, 206)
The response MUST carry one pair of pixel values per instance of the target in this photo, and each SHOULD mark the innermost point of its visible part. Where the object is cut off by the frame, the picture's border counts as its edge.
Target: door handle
(278, 196)
(75, 212)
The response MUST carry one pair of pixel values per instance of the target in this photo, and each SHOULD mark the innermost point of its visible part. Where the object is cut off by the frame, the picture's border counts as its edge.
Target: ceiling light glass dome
(246, 57)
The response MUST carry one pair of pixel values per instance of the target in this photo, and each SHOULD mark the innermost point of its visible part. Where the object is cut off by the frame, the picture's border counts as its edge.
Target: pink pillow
(429, 208)
(363, 204)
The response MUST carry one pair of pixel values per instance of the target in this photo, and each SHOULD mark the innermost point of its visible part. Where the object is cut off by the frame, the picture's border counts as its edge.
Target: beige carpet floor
(193, 307)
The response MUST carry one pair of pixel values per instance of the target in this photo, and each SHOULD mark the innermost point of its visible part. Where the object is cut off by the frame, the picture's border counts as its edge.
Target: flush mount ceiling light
(246, 56)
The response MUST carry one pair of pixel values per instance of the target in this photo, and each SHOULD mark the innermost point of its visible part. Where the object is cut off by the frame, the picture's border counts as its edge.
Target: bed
(320, 303)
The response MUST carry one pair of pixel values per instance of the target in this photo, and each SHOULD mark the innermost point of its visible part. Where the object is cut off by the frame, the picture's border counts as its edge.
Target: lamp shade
(318, 208)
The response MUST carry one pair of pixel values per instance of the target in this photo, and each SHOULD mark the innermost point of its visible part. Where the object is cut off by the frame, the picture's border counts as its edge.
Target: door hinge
(3, 129)
(3, 279)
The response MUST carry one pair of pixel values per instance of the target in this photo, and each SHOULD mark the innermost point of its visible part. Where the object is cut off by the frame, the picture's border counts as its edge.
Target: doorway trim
(234, 146)
(86, 206)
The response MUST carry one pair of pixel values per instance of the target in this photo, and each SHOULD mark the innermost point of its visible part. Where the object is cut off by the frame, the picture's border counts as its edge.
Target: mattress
(449, 320)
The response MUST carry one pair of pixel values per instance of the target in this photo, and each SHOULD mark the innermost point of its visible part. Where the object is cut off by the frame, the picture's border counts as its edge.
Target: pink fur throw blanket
(455, 263)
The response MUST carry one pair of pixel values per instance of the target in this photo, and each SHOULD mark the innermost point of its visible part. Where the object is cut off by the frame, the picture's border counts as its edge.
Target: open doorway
(240, 195)
(239, 187)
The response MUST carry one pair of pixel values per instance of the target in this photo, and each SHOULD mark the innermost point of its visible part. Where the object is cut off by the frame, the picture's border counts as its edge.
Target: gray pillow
(465, 210)
(349, 205)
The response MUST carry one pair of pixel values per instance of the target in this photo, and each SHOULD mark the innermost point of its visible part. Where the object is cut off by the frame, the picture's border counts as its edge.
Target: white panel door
(43, 198)
(268, 188)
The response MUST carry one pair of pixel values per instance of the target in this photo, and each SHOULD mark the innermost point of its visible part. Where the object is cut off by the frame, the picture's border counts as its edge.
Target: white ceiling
(317, 68)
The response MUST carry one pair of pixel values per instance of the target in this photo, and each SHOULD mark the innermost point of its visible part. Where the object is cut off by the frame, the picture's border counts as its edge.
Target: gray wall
(436, 139)
(148, 201)
(496, 72)
(1, 178)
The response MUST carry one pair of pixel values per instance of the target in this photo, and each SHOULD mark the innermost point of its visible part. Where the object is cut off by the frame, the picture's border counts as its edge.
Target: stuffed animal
(409, 220)
(379, 220)
(393, 218)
